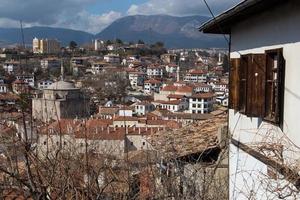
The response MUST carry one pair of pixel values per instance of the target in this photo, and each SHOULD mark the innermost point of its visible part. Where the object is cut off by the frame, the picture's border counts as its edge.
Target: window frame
(278, 119)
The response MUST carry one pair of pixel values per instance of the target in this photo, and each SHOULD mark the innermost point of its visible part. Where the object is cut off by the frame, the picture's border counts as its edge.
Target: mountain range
(175, 32)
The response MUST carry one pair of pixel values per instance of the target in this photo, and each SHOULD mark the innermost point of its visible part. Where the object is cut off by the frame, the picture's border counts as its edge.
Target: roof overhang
(222, 24)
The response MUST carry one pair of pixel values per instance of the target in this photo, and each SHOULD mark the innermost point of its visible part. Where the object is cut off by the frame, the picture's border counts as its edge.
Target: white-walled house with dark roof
(264, 38)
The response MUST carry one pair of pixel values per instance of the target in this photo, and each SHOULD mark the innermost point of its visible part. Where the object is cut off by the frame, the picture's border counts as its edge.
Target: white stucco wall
(278, 29)
(272, 29)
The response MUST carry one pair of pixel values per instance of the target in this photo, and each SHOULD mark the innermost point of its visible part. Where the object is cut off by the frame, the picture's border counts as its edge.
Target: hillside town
(151, 100)
(112, 98)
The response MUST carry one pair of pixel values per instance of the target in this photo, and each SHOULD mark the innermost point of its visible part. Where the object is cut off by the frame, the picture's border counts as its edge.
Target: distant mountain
(175, 32)
(13, 35)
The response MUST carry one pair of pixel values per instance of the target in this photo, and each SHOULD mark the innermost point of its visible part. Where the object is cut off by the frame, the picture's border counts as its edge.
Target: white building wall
(3, 88)
(278, 29)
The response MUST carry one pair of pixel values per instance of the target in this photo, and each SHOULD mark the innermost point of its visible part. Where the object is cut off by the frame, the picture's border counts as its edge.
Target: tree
(73, 45)
(119, 41)
(141, 42)
(108, 42)
(159, 44)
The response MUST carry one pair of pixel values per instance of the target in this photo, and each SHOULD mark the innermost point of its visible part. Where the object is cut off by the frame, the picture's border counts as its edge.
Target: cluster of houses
(163, 95)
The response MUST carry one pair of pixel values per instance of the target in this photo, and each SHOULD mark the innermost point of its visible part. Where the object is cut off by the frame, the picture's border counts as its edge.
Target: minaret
(61, 70)
(220, 62)
(178, 73)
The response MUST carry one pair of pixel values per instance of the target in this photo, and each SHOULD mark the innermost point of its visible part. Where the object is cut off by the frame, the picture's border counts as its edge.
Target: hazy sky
(94, 15)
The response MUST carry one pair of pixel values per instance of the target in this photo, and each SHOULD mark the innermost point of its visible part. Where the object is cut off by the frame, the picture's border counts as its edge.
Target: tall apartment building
(99, 45)
(45, 45)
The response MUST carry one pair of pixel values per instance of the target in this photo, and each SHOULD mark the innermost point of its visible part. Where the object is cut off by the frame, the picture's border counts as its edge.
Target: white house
(155, 71)
(97, 67)
(50, 63)
(125, 111)
(264, 97)
(143, 108)
(112, 58)
(11, 66)
(173, 106)
(222, 100)
(202, 87)
(151, 86)
(44, 84)
(195, 76)
(201, 103)
(3, 88)
(171, 68)
(136, 78)
(221, 88)
(28, 78)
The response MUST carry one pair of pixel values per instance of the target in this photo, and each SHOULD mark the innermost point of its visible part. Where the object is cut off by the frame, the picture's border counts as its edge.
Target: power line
(214, 18)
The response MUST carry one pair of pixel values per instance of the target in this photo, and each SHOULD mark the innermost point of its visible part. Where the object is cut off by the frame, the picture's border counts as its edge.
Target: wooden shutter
(256, 76)
(234, 84)
(243, 83)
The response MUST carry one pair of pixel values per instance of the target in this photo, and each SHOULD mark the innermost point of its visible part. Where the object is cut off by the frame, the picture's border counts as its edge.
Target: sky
(95, 15)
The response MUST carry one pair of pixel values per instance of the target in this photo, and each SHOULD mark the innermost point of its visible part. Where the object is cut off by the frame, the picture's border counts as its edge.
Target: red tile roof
(169, 88)
(197, 72)
(122, 118)
(174, 102)
(18, 82)
(203, 95)
(9, 96)
(175, 96)
(153, 81)
(185, 89)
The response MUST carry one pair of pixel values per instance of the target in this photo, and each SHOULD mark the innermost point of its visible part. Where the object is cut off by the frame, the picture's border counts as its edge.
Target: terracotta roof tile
(169, 88)
(204, 95)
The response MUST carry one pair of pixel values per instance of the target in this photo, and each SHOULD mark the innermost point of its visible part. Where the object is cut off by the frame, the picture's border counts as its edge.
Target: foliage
(141, 42)
(73, 45)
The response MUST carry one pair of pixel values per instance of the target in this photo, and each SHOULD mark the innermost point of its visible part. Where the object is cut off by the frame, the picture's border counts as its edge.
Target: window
(275, 69)
(194, 105)
(257, 85)
(144, 143)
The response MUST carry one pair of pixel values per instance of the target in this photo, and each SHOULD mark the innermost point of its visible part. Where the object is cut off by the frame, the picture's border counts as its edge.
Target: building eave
(222, 23)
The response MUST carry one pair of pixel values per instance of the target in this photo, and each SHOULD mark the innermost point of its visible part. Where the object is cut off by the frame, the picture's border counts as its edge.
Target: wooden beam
(289, 174)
